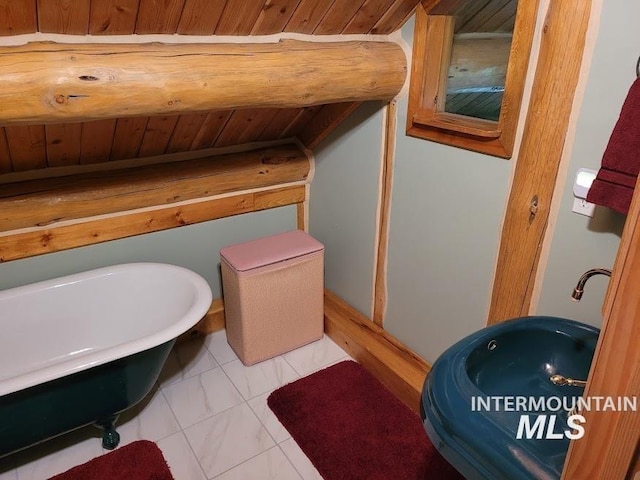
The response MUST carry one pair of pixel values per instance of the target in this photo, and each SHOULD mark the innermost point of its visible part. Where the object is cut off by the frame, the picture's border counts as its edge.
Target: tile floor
(208, 414)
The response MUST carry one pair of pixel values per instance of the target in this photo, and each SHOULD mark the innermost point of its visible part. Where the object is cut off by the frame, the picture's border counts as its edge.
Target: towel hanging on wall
(616, 179)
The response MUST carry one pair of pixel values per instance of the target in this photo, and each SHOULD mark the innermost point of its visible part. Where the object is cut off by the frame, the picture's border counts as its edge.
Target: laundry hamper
(273, 294)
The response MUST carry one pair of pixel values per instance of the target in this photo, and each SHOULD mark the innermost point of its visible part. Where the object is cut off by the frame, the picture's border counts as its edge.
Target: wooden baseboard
(396, 366)
(212, 321)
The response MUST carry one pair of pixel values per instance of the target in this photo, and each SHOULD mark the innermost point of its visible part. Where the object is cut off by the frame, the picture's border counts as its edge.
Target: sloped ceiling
(29, 147)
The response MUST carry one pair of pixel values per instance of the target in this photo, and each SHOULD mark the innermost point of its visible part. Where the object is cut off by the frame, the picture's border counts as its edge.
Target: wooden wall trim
(611, 438)
(396, 366)
(527, 214)
(213, 321)
(382, 243)
(41, 202)
(21, 244)
(80, 82)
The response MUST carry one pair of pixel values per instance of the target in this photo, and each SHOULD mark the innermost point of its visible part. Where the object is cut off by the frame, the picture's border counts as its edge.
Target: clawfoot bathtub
(82, 348)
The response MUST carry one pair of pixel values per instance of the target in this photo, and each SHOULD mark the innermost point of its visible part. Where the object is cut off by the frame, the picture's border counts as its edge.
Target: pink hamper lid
(272, 249)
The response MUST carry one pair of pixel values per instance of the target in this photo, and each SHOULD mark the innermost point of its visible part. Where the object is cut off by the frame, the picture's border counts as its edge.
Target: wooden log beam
(52, 82)
(42, 202)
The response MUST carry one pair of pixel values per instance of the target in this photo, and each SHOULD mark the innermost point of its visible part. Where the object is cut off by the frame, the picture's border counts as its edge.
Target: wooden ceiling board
(395, 16)
(211, 129)
(96, 141)
(200, 17)
(159, 16)
(244, 126)
(27, 145)
(113, 17)
(279, 123)
(5, 155)
(63, 143)
(25, 148)
(17, 17)
(185, 132)
(368, 15)
(128, 137)
(63, 16)
(274, 16)
(308, 16)
(157, 135)
(239, 17)
(493, 17)
(338, 17)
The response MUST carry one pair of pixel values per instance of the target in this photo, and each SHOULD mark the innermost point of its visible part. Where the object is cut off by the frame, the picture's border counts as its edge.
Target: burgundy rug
(141, 460)
(351, 427)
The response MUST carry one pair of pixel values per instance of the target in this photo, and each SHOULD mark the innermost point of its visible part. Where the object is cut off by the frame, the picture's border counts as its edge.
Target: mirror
(469, 66)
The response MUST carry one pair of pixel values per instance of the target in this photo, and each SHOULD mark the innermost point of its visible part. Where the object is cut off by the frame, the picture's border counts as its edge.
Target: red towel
(616, 179)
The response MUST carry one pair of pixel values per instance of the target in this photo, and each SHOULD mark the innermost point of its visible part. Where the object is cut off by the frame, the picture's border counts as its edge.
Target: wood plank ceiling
(29, 147)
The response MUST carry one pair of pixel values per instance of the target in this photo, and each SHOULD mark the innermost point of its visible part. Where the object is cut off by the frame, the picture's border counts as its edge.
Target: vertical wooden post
(388, 154)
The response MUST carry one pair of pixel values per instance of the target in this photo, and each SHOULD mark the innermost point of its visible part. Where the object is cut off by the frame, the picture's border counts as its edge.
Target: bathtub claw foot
(110, 438)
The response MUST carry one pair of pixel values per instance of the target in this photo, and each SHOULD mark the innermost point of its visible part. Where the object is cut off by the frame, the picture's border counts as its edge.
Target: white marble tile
(202, 396)
(299, 460)
(259, 378)
(59, 454)
(151, 419)
(185, 360)
(180, 458)
(267, 417)
(270, 465)
(217, 344)
(315, 356)
(228, 439)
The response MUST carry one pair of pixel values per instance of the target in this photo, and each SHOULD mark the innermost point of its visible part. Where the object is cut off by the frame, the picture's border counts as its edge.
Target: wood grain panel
(157, 135)
(63, 16)
(84, 82)
(609, 448)
(338, 17)
(308, 16)
(63, 144)
(304, 116)
(17, 17)
(279, 123)
(185, 132)
(5, 155)
(368, 15)
(245, 126)
(27, 145)
(395, 16)
(113, 17)
(239, 17)
(496, 16)
(210, 129)
(329, 117)
(278, 197)
(96, 141)
(45, 201)
(524, 229)
(158, 16)
(200, 17)
(14, 246)
(274, 16)
(128, 137)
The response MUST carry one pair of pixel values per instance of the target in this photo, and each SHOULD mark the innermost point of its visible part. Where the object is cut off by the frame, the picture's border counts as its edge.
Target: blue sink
(470, 397)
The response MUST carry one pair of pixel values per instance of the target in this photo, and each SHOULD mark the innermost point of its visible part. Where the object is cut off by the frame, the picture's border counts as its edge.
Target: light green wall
(447, 207)
(580, 243)
(343, 202)
(194, 246)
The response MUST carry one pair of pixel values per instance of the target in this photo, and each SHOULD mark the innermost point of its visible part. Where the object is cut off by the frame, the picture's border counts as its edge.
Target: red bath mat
(141, 460)
(351, 427)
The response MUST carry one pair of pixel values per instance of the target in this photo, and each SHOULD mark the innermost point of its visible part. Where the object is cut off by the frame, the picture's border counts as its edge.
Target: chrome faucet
(577, 292)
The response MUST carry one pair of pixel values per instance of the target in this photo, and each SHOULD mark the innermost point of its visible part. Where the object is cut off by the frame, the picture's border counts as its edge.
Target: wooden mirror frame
(426, 118)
